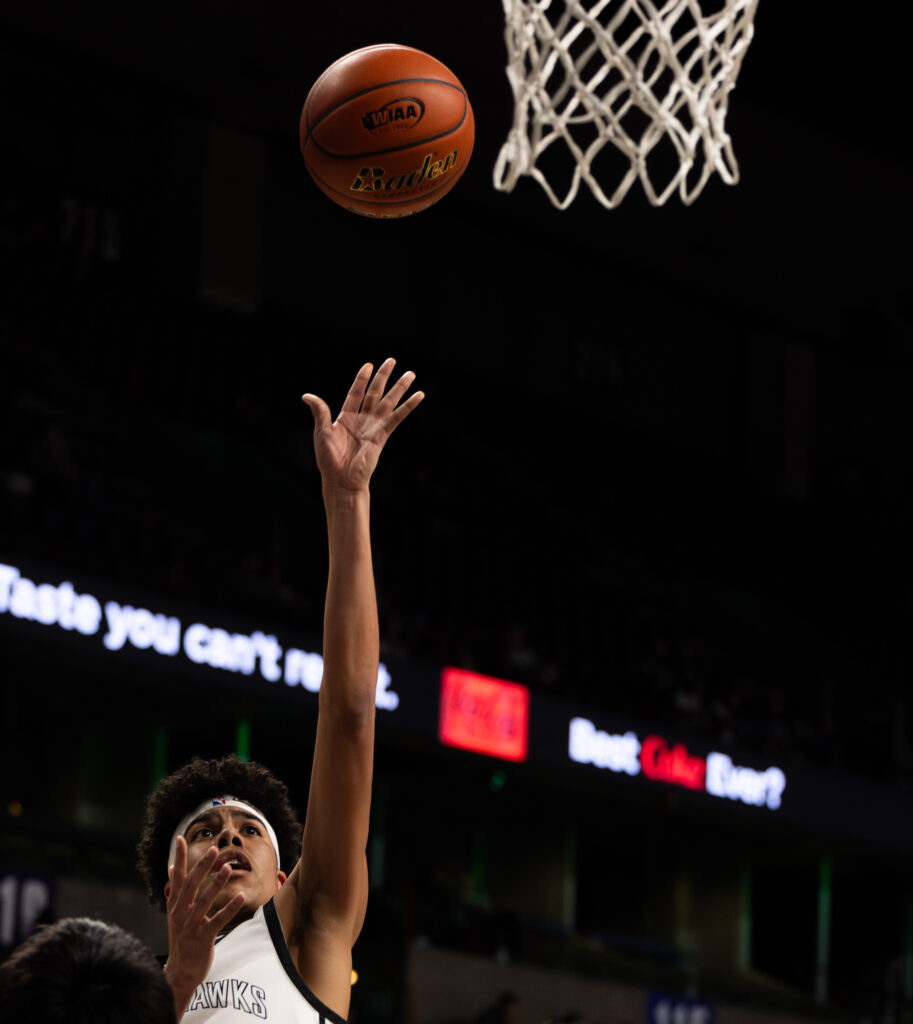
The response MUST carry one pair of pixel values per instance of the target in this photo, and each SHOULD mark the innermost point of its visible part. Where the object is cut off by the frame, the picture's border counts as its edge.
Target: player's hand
(192, 930)
(348, 449)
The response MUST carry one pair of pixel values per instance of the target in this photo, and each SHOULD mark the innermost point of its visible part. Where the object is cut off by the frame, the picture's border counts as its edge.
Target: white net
(632, 90)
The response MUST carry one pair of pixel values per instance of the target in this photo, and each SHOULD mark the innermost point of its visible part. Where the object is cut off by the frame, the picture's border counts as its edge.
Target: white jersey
(253, 978)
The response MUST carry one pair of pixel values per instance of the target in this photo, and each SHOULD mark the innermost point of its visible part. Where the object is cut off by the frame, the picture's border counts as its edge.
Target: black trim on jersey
(285, 958)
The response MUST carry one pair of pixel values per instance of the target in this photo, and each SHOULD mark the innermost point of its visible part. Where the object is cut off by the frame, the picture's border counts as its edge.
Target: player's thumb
(319, 409)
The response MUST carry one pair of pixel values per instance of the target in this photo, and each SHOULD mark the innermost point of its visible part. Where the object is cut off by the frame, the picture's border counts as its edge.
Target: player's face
(243, 843)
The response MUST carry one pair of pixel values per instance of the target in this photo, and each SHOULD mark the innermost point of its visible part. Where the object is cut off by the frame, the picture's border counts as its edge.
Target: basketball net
(651, 81)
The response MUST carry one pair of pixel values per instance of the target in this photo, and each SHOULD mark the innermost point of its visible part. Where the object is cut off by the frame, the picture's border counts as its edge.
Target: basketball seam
(373, 88)
(392, 149)
(370, 49)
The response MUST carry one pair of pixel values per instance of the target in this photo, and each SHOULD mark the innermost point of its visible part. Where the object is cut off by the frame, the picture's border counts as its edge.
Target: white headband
(220, 801)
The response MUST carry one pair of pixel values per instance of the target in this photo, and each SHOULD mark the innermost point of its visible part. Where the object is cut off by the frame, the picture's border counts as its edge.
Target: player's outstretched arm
(323, 905)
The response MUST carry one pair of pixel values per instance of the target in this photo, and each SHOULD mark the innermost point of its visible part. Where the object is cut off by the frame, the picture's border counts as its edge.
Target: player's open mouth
(238, 862)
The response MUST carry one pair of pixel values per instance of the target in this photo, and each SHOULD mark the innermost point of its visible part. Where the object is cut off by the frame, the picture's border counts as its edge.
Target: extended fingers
(177, 873)
(178, 870)
(393, 419)
(356, 393)
(220, 920)
(376, 390)
(366, 393)
(186, 886)
(191, 910)
(393, 397)
(209, 890)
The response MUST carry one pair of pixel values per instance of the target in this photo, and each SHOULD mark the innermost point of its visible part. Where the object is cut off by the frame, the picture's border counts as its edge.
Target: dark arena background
(661, 488)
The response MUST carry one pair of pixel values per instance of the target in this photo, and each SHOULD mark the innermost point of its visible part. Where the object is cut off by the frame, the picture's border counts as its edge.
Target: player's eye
(204, 832)
(252, 830)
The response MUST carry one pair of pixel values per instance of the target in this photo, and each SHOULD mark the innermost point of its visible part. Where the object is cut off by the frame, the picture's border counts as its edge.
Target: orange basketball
(386, 131)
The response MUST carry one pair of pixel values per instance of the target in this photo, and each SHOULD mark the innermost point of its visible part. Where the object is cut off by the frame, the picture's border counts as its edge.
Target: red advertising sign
(673, 765)
(488, 716)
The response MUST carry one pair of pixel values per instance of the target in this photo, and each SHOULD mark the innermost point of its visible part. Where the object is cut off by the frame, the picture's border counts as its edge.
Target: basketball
(386, 131)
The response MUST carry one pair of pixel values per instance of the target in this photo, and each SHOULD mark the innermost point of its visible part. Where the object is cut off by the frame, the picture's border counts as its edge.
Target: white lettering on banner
(383, 696)
(306, 669)
(589, 745)
(143, 629)
(47, 604)
(725, 779)
(236, 652)
(717, 775)
(680, 1011)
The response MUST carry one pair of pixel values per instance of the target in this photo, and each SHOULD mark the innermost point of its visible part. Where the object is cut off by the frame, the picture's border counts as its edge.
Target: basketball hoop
(635, 91)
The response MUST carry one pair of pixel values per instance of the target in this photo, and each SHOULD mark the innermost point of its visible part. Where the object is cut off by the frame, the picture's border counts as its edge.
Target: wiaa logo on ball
(395, 116)
(375, 179)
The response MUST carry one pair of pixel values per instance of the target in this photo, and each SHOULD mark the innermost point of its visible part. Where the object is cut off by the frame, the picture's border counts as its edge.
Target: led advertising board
(636, 757)
(118, 628)
(485, 715)
(660, 760)
(163, 637)
(665, 1009)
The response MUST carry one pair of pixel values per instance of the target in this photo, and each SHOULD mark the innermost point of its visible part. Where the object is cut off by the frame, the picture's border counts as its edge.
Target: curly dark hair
(178, 793)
